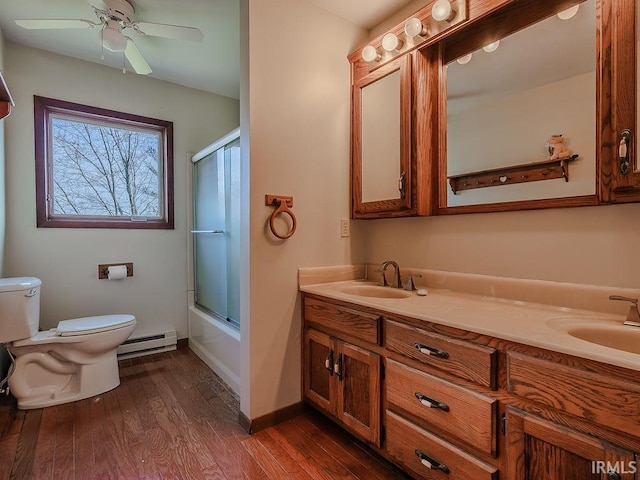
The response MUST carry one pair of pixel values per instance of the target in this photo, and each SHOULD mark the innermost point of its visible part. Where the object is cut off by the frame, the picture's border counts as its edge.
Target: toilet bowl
(73, 361)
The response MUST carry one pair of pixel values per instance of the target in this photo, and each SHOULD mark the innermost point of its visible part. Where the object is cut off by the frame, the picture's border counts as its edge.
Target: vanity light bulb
(414, 28)
(492, 47)
(465, 59)
(391, 42)
(568, 13)
(370, 54)
(442, 11)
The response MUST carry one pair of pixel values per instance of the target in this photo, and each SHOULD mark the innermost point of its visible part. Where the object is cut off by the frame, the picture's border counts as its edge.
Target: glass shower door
(216, 182)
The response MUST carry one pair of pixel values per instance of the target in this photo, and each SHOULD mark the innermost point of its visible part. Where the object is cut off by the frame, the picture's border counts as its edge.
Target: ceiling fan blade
(99, 4)
(50, 24)
(170, 31)
(136, 59)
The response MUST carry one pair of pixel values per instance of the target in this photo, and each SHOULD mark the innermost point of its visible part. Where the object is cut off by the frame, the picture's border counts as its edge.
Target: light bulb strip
(420, 30)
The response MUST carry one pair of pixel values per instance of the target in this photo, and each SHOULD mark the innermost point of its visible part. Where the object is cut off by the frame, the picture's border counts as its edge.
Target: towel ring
(283, 204)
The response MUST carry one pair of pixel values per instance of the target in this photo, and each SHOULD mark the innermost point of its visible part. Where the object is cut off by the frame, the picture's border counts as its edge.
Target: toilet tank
(19, 308)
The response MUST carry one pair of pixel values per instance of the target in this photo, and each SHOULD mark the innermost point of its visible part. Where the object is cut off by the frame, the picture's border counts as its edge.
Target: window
(99, 168)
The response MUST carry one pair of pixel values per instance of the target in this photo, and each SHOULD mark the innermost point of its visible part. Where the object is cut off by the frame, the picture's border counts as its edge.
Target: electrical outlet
(345, 228)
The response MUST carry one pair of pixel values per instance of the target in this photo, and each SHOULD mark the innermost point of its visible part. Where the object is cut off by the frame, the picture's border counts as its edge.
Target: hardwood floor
(173, 418)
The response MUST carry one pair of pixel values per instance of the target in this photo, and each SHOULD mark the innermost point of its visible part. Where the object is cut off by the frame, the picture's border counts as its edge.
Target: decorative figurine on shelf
(557, 149)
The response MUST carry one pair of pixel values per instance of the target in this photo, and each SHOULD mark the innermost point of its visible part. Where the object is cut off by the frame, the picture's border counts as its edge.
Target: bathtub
(216, 343)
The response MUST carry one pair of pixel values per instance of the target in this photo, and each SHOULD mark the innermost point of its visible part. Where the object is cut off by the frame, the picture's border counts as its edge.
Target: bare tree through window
(100, 170)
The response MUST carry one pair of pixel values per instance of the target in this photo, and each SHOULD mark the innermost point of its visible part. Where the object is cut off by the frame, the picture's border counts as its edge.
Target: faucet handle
(634, 301)
(633, 317)
(409, 285)
(383, 279)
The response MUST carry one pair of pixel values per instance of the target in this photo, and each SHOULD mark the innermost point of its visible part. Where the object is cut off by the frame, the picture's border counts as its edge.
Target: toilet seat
(88, 325)
(71, 330)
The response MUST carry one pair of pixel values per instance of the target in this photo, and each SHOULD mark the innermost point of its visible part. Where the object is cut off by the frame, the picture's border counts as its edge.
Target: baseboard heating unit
(148, 344)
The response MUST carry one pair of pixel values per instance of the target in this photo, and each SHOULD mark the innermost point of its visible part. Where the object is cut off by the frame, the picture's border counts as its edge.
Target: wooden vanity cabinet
(539, 449)
(467, 406)
(339, 378)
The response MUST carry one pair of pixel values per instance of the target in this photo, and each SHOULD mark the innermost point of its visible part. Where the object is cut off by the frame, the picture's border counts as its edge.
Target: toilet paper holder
(103, 269)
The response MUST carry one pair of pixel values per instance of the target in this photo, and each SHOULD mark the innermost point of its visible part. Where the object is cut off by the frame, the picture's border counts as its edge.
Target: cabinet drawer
(422, 452)
(336, 318)
(467, 415)
(463, 359)
(609, 401)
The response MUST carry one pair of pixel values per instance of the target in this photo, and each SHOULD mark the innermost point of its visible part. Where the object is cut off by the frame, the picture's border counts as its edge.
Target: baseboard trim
(271, 419)
(182, 343)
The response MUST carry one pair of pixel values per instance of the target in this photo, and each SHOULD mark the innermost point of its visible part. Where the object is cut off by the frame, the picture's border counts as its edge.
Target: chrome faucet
(383, 278)
(633, 317)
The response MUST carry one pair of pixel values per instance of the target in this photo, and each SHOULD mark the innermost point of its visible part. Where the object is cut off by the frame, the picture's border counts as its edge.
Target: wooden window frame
(43, 109)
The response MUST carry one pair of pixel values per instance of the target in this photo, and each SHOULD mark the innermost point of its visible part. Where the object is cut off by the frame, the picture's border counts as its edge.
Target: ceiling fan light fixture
(114, 40)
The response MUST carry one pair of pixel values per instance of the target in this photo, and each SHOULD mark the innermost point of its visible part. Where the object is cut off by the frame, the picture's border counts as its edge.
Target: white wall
(586, 245)
(295, 109)
(66, 259)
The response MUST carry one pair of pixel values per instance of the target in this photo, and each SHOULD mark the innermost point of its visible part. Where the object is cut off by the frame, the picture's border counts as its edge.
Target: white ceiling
(213, 65)
(364, 13)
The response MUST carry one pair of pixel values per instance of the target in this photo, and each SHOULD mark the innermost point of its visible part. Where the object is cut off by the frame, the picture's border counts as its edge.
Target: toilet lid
(87, 325)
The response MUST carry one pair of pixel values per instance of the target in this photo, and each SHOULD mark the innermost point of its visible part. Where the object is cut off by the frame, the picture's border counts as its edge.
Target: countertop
(531, 323)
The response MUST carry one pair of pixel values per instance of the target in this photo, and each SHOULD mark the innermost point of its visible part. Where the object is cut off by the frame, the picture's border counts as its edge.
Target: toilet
(73, 361)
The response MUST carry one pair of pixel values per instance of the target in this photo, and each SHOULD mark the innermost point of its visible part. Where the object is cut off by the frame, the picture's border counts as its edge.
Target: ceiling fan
(113, 17)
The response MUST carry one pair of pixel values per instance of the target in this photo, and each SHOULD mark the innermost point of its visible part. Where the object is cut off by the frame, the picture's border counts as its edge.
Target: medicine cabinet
(382, 140)
(479, 125)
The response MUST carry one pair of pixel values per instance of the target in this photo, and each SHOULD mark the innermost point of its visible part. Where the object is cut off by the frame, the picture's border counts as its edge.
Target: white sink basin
(621, 337)
(370, 290)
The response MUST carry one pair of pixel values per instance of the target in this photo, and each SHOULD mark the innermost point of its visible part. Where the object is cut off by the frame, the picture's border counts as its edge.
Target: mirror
(503, 107)
(381, 153)
(380, 120)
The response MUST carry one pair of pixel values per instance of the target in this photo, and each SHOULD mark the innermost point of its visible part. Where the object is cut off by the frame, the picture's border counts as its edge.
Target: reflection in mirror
(504, 105)
(380, 124)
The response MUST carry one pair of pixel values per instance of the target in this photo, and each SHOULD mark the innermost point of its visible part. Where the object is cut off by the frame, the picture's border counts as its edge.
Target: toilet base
(42, 380)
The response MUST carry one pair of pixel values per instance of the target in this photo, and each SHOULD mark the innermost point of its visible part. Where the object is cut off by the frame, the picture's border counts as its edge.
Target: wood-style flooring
(173, 418)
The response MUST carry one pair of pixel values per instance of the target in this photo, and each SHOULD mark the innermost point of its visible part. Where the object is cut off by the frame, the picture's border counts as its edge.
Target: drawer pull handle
(337, 367)
(328, 362)
(431, 403)
(431, 351)
(431, 463)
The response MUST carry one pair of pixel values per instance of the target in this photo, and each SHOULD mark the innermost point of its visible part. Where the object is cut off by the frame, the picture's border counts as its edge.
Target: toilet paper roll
(117, 272)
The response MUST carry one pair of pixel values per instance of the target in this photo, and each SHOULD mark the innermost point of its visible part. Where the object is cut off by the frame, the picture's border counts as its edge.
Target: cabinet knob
(613, 476)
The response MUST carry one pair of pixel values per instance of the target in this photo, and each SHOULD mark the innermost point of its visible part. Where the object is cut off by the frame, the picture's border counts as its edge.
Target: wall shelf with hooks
(6, 101)
(528, 172)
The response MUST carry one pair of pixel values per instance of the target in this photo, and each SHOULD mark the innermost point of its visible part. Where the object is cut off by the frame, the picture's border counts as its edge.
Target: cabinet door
(319, 358)
(621, 173)
(381, 146)
(538, 449)
(358, 402)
